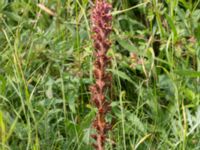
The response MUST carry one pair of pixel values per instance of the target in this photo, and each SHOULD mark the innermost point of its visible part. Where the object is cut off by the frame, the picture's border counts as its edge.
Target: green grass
(46, 68)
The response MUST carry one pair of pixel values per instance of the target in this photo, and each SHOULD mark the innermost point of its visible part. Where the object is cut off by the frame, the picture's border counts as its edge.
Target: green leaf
(189, 94)
(13, 16)
(197, 33)
(172, 26)
(127, 45)
(189, 73)
(137, 122)
(123, 76)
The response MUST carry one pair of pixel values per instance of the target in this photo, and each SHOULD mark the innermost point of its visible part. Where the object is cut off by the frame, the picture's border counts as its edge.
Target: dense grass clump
(46, 68)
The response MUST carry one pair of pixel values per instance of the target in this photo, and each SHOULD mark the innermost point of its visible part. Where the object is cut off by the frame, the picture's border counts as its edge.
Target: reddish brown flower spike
(101, 27)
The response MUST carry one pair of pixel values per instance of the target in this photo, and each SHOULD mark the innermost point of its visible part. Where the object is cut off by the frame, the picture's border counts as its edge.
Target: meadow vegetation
(46, 68)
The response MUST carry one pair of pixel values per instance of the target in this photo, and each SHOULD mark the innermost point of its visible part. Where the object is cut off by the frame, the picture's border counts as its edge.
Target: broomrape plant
(101, 27)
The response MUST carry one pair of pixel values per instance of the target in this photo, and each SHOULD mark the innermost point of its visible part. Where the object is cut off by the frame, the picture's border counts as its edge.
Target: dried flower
(101, 27)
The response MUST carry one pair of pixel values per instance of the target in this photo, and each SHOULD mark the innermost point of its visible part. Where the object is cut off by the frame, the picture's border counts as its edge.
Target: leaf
(86, 137)
(189, 73)
(196, 15)
(189, 94)
(71, 101)
(127, 45)
(197, 33)
(13, 16)
(137, 122)
(2, 127)
(123, 76)
(88, 119)
(2, 85)
(49, 92)
(142, 140)
(172, 26)
(3, 4)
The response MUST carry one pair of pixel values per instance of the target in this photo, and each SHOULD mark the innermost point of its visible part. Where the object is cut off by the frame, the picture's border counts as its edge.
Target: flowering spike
(101, 27)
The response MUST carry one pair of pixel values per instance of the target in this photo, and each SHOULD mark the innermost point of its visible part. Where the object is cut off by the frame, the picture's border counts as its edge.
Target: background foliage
(46, 68)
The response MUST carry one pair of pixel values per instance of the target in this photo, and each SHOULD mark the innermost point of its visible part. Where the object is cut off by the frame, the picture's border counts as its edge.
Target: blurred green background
(46, 56)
